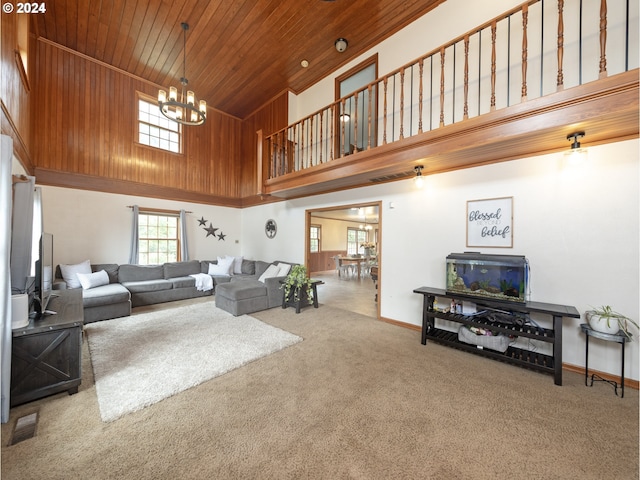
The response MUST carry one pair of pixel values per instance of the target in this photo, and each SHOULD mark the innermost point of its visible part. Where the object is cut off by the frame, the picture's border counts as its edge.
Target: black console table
(525, 358)
(46, 354)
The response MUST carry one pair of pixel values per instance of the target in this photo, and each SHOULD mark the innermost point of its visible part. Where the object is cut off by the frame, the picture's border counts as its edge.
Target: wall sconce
(345, 117)
(418, 179)
(576, 153)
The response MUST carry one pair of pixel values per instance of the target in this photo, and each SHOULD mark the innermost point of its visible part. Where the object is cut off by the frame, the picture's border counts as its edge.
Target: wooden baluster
(271, 157)
(281, 150)
(560, 79)
(311, 142)
(465, 113)
(401, 104)
(342, 122)
(442, 87)
(603, 39)
(320, 142)
(493, 66)
(296, 152)
(355, 123)
(303, 163)
(525, 20)
(332, 117)
(421, 71)
(370, 90)
(384, 114)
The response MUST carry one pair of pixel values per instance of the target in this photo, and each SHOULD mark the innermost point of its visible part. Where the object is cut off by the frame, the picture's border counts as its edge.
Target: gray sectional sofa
(136, 285)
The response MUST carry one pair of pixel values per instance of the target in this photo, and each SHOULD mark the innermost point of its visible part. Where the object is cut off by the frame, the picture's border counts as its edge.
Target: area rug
(145, 358)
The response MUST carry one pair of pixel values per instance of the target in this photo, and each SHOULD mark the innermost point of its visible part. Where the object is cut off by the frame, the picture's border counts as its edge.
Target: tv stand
(525, 358)
(46, 354)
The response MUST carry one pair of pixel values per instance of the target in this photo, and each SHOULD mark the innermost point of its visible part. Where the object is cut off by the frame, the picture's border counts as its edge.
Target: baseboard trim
(630, 383)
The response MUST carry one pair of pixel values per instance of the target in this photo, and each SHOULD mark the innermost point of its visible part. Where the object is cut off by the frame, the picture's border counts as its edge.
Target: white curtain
(21, 234)
(6, 155)
(184, 249)
(135, 244)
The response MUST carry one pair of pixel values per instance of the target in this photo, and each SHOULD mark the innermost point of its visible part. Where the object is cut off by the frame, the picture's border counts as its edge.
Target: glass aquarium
(495, 277)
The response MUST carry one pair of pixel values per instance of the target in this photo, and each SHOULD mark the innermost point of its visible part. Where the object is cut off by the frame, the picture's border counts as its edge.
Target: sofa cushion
(242, 290)
(148, 286)
(139, 273)
(248, 267)
(261, 267)
(110, 268)
(105, 295)
(93, 280)
(183, 282)
(69, 273)
(181, 269)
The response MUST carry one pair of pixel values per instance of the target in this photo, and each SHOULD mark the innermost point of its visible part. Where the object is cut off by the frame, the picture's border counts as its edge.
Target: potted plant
(604, 319)
(298, 285)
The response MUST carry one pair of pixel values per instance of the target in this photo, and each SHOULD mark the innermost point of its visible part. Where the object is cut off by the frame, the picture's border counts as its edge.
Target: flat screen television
(44, 275)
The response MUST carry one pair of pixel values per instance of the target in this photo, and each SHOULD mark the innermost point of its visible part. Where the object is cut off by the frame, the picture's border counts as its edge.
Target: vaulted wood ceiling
(240, 53)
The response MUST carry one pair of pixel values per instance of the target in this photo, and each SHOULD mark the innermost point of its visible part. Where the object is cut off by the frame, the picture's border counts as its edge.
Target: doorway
(353, 231)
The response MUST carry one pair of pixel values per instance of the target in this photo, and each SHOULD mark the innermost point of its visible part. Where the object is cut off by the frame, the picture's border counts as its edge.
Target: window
(314, 238)
(158, 238)
(156, 130)
(355, 237)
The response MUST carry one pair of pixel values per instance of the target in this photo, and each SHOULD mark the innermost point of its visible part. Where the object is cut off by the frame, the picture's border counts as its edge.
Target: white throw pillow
(92, 280)
(283, 269)
(237, 264)
(69, 273)
(270, 272)
(222, 268)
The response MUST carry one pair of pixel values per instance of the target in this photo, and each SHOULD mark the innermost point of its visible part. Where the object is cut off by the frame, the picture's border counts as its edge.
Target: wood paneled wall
(270, 118)
(86, 128)
(15, 95)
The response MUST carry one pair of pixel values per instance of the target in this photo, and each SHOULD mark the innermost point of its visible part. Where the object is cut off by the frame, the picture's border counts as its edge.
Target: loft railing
(536, 49)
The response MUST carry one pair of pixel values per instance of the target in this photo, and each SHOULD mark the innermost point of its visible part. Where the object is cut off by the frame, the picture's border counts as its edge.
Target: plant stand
(302, 301)
(620, 338)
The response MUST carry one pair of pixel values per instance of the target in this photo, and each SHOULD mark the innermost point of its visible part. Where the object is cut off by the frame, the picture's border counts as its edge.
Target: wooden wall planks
(86, 125)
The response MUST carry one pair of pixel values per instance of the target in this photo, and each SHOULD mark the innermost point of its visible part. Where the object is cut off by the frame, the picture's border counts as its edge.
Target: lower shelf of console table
(551, 364)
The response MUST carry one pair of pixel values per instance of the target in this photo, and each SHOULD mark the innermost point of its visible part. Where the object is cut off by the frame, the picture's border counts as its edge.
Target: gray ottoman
(239, 298)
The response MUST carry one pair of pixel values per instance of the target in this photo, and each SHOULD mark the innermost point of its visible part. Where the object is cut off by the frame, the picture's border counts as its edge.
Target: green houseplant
(606, 320)
(298, 284)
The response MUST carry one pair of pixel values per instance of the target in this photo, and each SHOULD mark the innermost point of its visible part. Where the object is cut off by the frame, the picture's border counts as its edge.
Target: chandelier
(184, 111)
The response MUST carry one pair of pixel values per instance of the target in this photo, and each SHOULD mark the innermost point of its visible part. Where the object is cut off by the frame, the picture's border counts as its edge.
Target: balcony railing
(536, 49)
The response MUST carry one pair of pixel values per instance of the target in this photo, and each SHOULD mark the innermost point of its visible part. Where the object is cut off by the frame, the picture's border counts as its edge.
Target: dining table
(357, 260)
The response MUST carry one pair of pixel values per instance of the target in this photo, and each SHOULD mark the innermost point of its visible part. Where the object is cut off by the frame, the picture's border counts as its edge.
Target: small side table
(303, 302)
(620, 338)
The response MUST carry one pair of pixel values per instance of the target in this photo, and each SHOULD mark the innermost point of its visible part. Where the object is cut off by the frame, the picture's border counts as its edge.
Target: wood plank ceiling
(240, 53)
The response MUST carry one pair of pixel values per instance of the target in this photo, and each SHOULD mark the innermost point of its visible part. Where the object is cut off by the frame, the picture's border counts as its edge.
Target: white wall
(97, 226)
(577, 225)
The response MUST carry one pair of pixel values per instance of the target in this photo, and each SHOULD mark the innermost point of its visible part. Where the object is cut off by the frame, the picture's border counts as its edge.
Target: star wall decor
(210, 230)
(221, 236)
(202, 221)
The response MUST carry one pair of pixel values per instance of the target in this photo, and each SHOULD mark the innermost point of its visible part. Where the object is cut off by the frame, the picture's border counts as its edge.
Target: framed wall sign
(490, 222)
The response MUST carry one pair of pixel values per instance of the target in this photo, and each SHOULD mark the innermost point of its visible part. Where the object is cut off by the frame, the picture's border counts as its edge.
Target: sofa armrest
(274, 292)
(59, 284)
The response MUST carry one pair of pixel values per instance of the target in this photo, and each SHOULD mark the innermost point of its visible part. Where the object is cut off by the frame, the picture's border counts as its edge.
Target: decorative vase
(602, 324)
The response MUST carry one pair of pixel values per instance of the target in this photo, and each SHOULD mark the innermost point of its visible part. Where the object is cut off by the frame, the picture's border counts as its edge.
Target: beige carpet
(140, 360)
(357, 399)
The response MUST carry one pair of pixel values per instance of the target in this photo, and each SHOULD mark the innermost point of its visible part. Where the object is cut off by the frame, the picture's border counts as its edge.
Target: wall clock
(270, 228)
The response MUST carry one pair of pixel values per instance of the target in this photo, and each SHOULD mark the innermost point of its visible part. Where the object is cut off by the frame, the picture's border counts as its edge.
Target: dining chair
(346, 269)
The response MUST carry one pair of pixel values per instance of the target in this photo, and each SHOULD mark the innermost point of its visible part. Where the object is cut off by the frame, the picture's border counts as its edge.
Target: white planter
(599, 324)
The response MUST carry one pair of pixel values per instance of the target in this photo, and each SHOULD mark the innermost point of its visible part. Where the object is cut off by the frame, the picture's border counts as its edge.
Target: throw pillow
(237, 264)
(69, 273)
(270, 272)
(222, 268)
(283, 269)
(92, 280)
